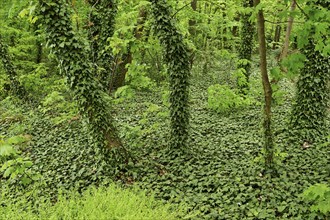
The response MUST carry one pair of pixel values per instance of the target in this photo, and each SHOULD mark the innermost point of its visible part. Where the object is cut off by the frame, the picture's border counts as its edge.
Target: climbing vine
(72, 57)
(177, 59)
(15, 87)
(312, 95)
(246, 46)
(101, 28)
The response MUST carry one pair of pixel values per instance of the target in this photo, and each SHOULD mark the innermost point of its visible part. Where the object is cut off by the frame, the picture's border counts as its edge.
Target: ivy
(177, 59)
(72, 56)
(312, 96)
(102, 21)
(15, 87)
(246, 46)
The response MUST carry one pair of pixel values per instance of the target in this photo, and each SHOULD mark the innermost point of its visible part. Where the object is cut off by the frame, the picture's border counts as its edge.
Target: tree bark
(277, 36)
(268, 145)
(192, 22)
(121, 70)
(286, 44)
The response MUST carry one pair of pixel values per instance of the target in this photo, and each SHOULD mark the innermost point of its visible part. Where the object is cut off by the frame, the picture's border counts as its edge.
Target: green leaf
(7, 150)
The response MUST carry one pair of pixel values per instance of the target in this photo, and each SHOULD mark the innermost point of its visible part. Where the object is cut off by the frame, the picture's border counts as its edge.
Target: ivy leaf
(8, 171)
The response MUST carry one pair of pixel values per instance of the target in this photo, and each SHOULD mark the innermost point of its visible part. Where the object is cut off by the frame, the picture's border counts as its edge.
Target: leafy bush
(102, 203)
(319, 194)
(14, 166)
(221, 99)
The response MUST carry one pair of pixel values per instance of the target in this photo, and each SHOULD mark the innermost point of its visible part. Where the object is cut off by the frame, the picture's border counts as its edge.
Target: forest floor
(219, 177)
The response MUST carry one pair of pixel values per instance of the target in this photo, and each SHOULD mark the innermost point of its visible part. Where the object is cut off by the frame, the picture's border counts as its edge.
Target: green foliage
(294, 64)
(319, 195)
(14, 166)
(246, 46)
(176, 58)
(58, 109)
(312, 96)
(103, 203)
(102, 22)
(72, 56)
(221, 174)
(137, 76)
(15, 87)
(316, 26)
(221, 179)
(222, 99)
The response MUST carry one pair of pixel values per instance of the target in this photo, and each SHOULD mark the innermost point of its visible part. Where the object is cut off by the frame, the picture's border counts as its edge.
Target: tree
(285, 48)
(72, 56)
(127, 58)
(246, 46)
(312, 95)
(15, 86)
(268, 135)
(177, 59)
(101, 28)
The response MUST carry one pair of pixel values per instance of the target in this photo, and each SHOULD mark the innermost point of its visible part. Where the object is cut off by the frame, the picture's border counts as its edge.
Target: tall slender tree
(286, 44)
(268, 135)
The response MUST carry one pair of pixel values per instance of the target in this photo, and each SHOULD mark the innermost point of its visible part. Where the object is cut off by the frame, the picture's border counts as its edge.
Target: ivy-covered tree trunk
(101, 28)
(15, 88)
(312, 95)
(177, 59)
(246, 47)
(268, 135)
(73, 59)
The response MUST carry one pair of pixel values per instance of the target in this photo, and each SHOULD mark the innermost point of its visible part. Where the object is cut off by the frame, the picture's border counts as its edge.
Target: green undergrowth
(220, 176)
(108, 203)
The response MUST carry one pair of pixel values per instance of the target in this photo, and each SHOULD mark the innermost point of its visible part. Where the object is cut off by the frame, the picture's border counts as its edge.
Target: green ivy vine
(312, 96)
(15, 87)
(177, 58)
(101, 28)
(72, 56)
(246, 46)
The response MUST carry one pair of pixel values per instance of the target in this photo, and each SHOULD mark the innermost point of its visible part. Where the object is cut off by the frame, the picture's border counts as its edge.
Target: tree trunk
(285, 48)
(246, 47)
(121, 70)
(268, 145)
(75, 62)
(192, 22)
(175, 56)
(277, 36)
(15, 87)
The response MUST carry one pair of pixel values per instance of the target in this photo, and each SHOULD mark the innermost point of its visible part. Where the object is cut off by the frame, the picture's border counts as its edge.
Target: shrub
(102, 203)
(319, 195)
(221, 99)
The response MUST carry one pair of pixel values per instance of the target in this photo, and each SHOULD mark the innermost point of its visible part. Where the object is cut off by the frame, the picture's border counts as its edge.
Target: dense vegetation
(220, 109)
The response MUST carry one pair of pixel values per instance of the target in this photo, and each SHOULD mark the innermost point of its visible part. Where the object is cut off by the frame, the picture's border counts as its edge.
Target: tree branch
(302, 11)
(180, 9)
